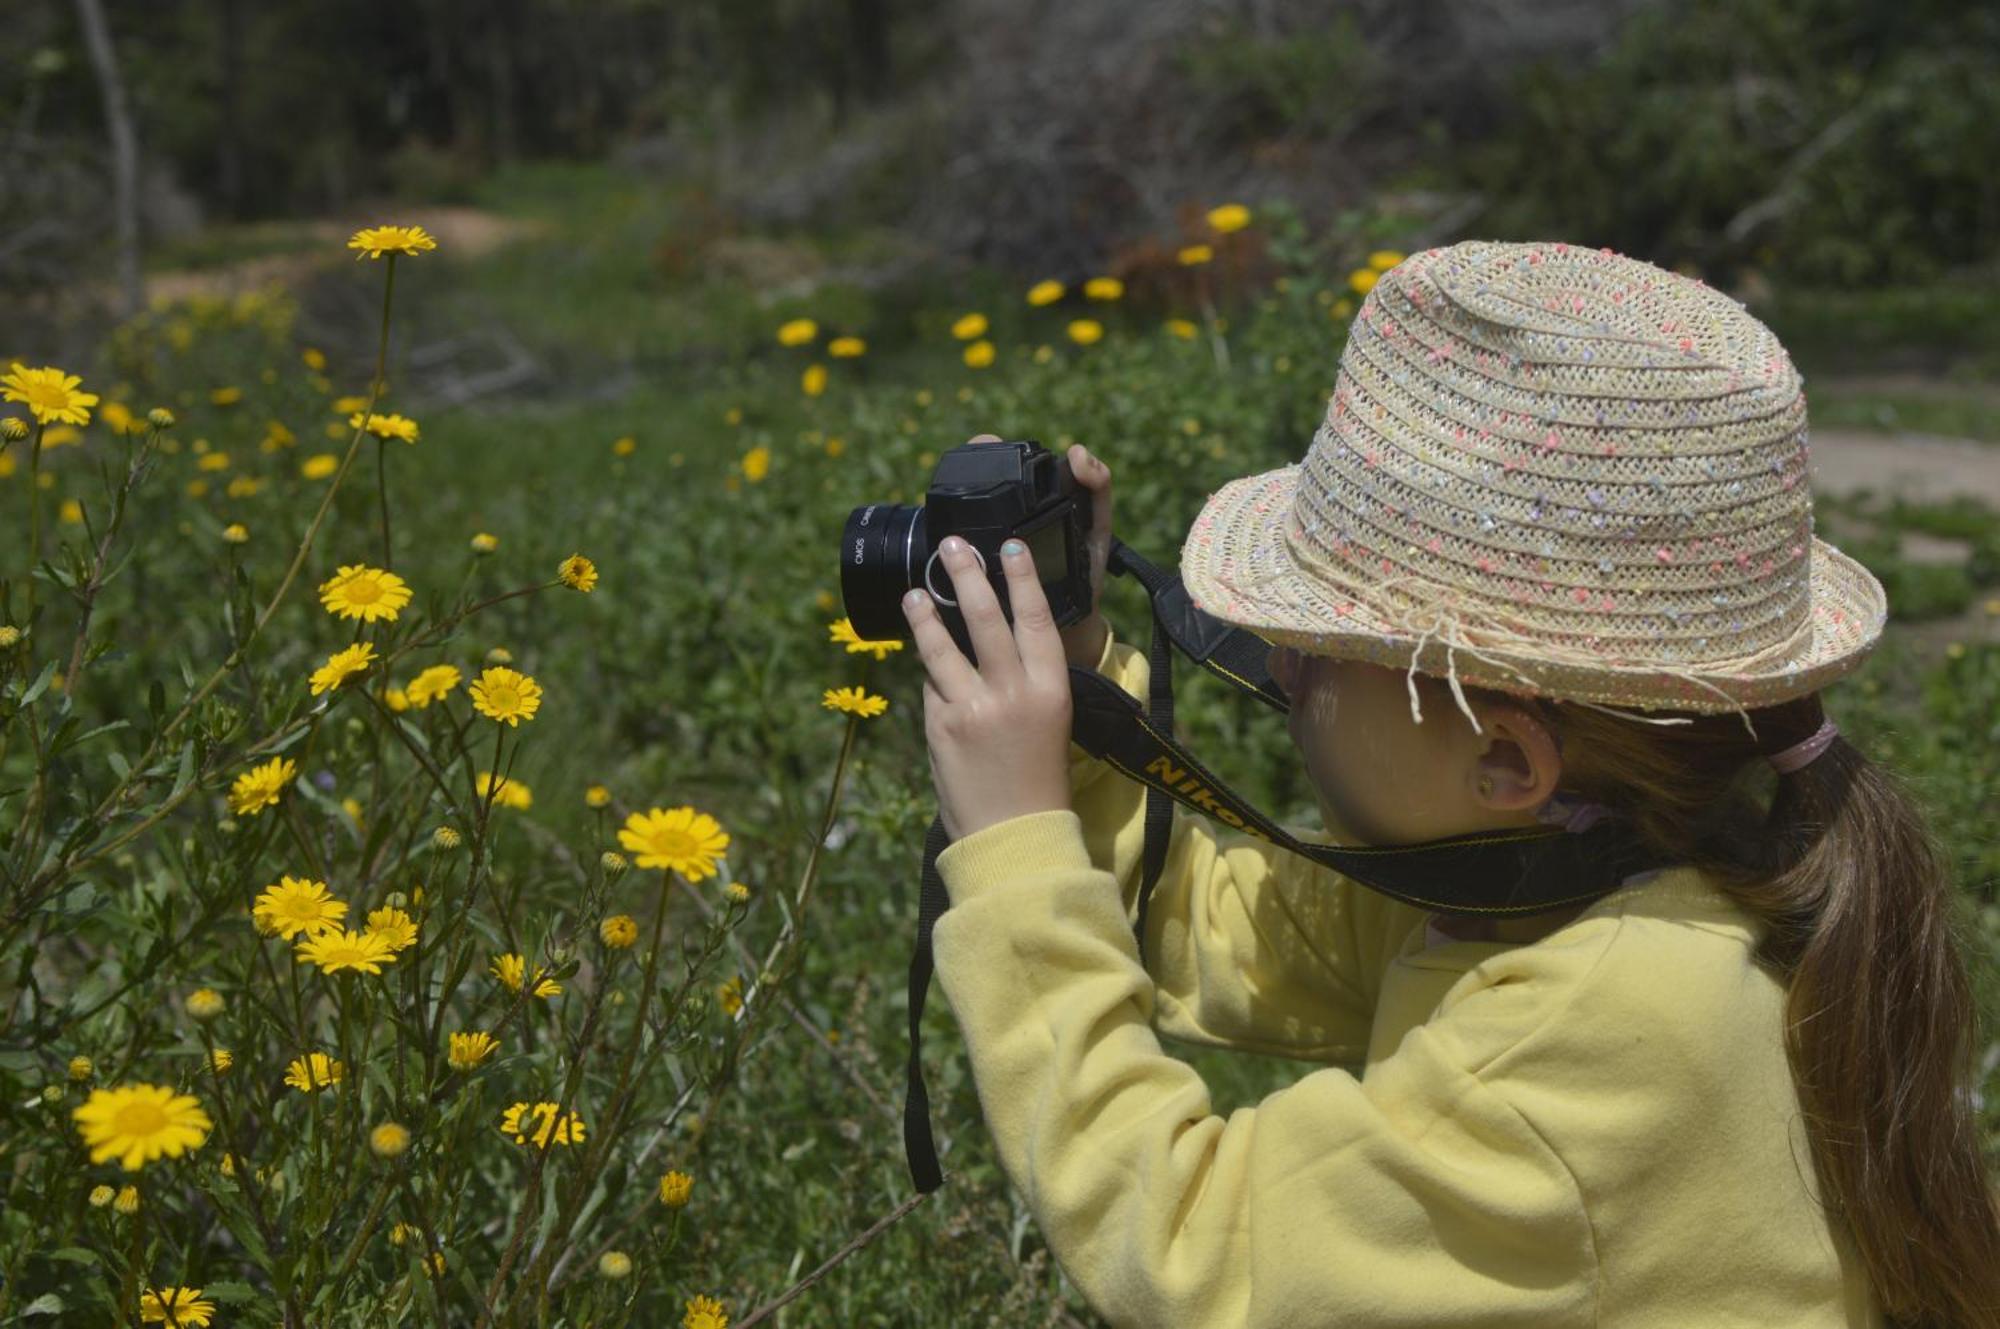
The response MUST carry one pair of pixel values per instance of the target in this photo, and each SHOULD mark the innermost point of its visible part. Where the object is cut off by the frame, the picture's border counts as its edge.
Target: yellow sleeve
(1252, 947)
(1420, 1196)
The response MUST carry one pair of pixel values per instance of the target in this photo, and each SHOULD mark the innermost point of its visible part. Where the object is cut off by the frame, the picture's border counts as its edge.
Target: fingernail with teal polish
(1013, 548)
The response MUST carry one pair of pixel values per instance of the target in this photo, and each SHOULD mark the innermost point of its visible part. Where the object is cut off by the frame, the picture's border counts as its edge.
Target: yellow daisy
(137, 1123)
(683, 841)
(315, 1072)
(509, 793)
(343, 665)
(842, 630)
(813, 381)
(797, 332)
(1086, 331)
(375, 241)
(512, 971)
(705, 1313)
(393, 926)
(296, 905)
(50, 395)
(730, 995)
(506, 695)
(675, 1188)
(1103, 288)
(319, 466)
(756, 464)
(578, 573)
(846, 348)
(336, 949)
(1363, 280)
(386, 426)
(979, 355)
(178, 1306)
(1229, 217)
(969, 326)
(542, 1123)
(1384, 259)
(366, 593)
(855, 701)
(258, 788)
(468, 1050)
(431, 685)
(1182, 328)
(1191, 255)
(1045, 292)
(619, 931)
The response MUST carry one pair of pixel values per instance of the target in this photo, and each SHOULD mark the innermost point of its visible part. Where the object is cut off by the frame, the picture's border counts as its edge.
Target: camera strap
(1479, 874)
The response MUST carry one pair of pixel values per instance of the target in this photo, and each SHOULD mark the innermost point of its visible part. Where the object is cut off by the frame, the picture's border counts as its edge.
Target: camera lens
(882, 555)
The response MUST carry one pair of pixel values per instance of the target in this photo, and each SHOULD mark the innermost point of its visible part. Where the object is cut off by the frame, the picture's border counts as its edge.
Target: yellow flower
(349, 405)
(295, 905)
(846, 348)
(50, 395)
(1384, 259)
(1182, 328)
(737, 891)
(70, 511)
(1363, 280)
(343, 665)
(118, 416)
(396, 700)
(1229, 217)
(315, 358)
(1342, 307)
(1193, 255)
(855, 701)
(431, 685)
(138, 1123)
(597, 796)
(315, 1072)
(389, 1139)
(221, 1059)
(969, 326)
(624, 446)
(813, 381)
(683, 841)
(730, 995)
(614, 1265)
(756, 464)
(1045, 292)
(674, 1189)
(705, 1313)
(393, 926)
(842, 630)
(506, 695)
(244, 486)
(506, 792)
(335, 949)
(100, 1196)
(79, 1068)
(366, 593)
(468, 1050)
(483, 543)
(835, 446)
(319, 466)
(578, 573)
(204, 1003)
(979, 355)
(226, 396)
(512, 971)
(542, 1123)
(179, 1306)
(258, 788)
(797, 332)
(386, 426)
(1103, 288)
(619, 931)
(1086, 331)
(374, 241)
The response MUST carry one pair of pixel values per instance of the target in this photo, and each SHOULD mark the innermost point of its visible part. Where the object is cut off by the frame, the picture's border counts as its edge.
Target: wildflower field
(460, 864)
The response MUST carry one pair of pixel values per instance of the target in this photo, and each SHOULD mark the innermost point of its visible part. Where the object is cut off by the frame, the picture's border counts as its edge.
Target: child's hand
(1083, 640)
(998, 734)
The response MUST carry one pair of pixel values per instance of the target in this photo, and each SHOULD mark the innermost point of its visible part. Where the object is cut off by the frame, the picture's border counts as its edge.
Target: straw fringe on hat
(1554, 471)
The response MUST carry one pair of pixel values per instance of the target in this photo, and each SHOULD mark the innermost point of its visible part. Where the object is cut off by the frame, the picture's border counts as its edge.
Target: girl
(1559, 495)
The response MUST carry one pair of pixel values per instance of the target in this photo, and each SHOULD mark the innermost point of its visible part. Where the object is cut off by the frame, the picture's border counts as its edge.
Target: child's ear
(1518, 763)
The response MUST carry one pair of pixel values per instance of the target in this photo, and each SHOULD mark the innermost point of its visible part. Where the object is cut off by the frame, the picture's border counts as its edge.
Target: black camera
(983, 493)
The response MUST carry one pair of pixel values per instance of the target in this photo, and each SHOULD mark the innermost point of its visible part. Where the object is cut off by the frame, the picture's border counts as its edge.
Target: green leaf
(46, 1304)
(73, 1254)
(232, 1293)
(40, 685)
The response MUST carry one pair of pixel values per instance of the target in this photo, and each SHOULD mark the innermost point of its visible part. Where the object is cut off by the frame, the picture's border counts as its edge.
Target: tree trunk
(124, 152)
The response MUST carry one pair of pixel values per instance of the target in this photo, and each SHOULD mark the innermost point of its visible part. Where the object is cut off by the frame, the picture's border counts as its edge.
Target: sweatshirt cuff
(1034, 844)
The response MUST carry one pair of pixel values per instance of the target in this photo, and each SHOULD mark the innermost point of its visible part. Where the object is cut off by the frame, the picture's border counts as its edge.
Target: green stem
(34, 513)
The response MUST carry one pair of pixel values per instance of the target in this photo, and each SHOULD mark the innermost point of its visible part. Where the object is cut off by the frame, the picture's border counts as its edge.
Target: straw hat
(1553, 471)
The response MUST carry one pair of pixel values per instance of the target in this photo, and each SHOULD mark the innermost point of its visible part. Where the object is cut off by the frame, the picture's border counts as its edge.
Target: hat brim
(1276, 598)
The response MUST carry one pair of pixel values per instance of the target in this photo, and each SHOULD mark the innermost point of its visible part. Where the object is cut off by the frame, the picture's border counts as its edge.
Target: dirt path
(1921, 467)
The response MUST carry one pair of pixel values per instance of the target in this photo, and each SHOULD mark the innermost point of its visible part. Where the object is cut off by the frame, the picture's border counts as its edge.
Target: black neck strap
(1481, 874)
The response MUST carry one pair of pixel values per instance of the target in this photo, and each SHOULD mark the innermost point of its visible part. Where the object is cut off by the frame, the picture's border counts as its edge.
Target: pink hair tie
(1801, 753)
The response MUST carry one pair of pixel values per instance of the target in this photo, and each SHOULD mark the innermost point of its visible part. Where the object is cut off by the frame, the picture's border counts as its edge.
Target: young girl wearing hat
(1549, 558)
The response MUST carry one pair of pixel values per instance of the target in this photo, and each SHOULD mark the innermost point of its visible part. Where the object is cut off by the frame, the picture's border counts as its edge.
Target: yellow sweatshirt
(1598, 1128)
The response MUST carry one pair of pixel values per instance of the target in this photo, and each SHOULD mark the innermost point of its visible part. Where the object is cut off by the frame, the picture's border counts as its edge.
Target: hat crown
(1568, 446)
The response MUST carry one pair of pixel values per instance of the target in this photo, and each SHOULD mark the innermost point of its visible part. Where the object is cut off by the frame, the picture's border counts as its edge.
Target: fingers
(992, 639)
(1035, 636)
(946, 666)
(984, 438)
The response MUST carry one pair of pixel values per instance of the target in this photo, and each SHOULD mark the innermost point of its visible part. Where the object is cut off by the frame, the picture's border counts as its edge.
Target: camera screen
(1047, 545)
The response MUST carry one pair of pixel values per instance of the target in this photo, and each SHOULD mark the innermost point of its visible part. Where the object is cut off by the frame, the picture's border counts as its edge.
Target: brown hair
(1856, 895)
